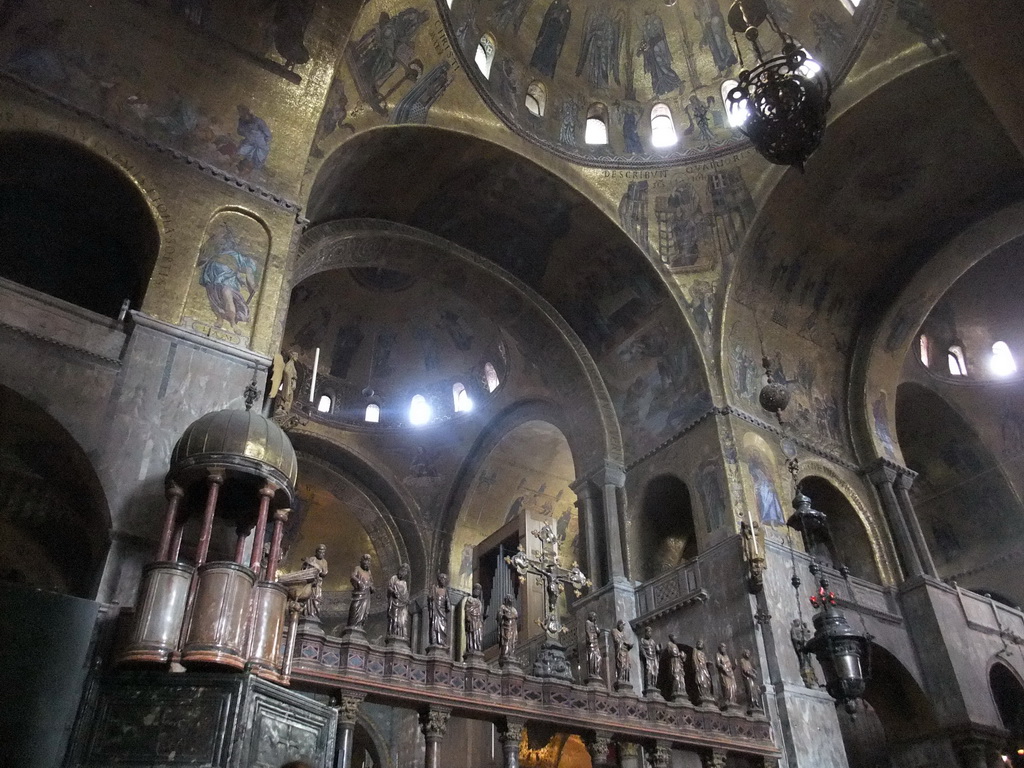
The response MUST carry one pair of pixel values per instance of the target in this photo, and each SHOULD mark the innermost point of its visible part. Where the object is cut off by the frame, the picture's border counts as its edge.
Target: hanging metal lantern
(843, 653)
(774, 397)
(780, 104)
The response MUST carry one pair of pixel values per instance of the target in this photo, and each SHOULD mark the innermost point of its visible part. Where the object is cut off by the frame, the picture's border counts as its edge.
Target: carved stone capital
(713, 759)
(629, 749)
(599, 745)
(281, 515)
(434, 723)
(662, 755)
(347, 705)
(883, 471)
(510, 734)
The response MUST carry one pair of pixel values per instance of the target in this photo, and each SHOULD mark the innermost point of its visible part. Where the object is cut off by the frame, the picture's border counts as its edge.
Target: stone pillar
(266, 494)
(348, 712)
(599, 745)
(586, 506)
(661, 757)
(174, 494)
(883, 475)
(615, 478)
(510, 736)
(213, 484)
(434, 724)
(280, 518)
(903, 483)
(713, 759)
(629, 755)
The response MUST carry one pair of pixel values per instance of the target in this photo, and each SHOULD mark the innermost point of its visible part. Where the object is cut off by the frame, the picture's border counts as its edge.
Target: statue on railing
(473, 610)
(398, 605)
(622, 660)
(305, 587)
(751, 684)
(677, 667)
(702, 674)
(592, 632)
(438, 608)
(650, 662)
(362, 588)
(726, 677)
(508, 630)
(800, 634)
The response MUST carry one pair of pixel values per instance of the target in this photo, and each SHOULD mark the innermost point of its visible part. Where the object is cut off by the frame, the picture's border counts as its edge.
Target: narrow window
(736, 112)
(957, 364)
(923, 350)
(663, 131)
(850, 5)
(596, 131)
(419, 410)
(372, 413)
(461, 398)
(485, 55)
(535, 99)
(324, 404)
(491, 377)
(1002, 363)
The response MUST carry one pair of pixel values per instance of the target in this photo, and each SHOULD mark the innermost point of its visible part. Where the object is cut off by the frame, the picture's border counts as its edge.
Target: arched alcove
(967, 509)
(667, 535)
(852, 545)
(73, 225)
(1008, 693)
(895, 713)
(54, 520)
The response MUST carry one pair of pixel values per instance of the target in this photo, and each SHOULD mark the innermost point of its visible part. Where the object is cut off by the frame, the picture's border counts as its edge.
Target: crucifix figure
(551, 662)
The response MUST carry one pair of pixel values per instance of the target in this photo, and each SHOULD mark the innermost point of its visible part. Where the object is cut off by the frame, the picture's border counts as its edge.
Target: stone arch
(54, 515)
(877, 533)
(99, 241)
(666, 534)
(1008, 697)
(391, 509)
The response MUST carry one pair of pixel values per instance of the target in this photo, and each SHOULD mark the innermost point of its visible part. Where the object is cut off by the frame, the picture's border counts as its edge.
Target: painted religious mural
(225, 290)
(118, 73)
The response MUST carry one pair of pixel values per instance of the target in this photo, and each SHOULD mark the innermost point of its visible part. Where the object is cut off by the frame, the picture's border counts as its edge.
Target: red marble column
(213, 483)
(280, 518)
(174, 494)
(266, 494)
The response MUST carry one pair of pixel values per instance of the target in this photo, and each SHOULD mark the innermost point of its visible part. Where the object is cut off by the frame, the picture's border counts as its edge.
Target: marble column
(434, 724)
(902, 484)
(174, 494)
(510, 735)
(599, 745)
(213, 484)
(266, 494)
(348, 712)
(883, 475)
(629, 755)
(280, 518)
(587, 509)
(613, 526)
(661, 756)
(713, 759)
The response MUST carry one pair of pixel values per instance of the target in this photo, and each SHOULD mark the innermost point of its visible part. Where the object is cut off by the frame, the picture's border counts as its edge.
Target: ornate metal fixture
(551, 662)
(774, 397)
(844, 655)
(780, 104)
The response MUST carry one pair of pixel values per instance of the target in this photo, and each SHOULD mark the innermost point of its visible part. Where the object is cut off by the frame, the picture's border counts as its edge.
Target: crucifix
(551, 662)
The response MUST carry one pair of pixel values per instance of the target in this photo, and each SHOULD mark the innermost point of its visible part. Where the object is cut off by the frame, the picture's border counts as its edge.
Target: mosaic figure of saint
(229, 276)
(511, 13)
(716, 34)
(551, 37)
(768, 506)
(599, 55)
(254, 148)
(657, 56)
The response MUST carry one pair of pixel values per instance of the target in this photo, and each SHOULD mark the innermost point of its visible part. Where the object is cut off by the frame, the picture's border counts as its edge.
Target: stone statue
(799, 635)
(473, 608)
(362, 588)
(751, 685)
(592, 632)
(650, 662)
(311, 596)
(289, 384)
(726, 677)
(677, 667)
(398, 605)
(438, 608)
(508, 629)
(622, 660)
(702, 674)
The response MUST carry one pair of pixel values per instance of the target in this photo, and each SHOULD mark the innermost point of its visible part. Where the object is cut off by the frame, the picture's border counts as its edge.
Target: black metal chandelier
(780, 104)
(842, 652)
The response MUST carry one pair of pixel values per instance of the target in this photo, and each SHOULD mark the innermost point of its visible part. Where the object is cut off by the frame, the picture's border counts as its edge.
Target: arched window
(736, 112)
(957, 364)
(324, 404)
(596, 131)
(419, 410)
(535, 98)
(1002, 363)
(461, 398)
(485, 55)
(923, 350)
(491, 377)
(663, 131)
(372, 413)
(851, 5)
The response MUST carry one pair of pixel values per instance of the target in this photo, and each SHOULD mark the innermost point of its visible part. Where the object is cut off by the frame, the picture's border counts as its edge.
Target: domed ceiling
(622, 58)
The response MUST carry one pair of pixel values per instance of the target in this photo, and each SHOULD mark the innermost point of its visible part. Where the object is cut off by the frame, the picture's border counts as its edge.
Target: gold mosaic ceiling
(618, 59)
